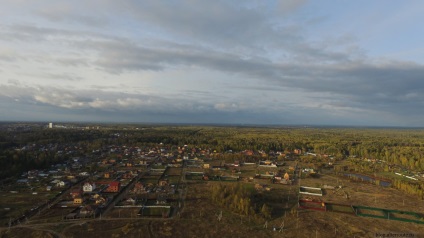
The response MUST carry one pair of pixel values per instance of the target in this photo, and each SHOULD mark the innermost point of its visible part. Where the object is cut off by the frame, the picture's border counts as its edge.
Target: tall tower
(50, 125)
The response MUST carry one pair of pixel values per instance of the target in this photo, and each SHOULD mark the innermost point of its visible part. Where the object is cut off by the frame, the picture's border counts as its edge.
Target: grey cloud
(29, 33)
(34, 33)
(71, 61)
(64, 11)
(9, 55)
(366, 84)
(105, 100)
(60, 77)
(118, 56)
(369, 83)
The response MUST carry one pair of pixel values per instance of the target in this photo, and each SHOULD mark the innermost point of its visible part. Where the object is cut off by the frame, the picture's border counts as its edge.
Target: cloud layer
(199, 61)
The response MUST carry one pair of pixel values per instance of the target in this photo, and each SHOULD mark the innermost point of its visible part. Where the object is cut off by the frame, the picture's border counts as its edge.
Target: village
(124, 181)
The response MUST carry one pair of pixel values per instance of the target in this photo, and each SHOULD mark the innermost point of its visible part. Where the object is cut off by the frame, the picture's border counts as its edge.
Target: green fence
(389, 214)
(364, 211)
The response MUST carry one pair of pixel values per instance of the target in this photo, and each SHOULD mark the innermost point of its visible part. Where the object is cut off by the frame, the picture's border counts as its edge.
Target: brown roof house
(113, 187)
(76, 192)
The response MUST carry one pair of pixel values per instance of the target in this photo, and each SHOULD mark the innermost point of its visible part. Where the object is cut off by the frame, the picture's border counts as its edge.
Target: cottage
(127, 175)
(88, 187)
(78, 200)
(22, 181)
(163, 182)
(76, 192)
(87, 210)
(60, 184)
(109, 174)
(138, 188)
(113, 187)
(84, 174)
(161, 200)
(100, 200)
(130, 201)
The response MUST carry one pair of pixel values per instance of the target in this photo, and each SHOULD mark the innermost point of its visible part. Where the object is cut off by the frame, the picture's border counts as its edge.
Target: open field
(199, 217)
(15, 204)
(364, 194)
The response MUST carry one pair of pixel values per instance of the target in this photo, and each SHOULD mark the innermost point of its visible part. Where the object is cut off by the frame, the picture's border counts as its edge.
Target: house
(218, 167)
(88, 187)
(60, 184)
(138, 188)
(161, 200)
(99, 199)
(49, 188)
(163, 182)
(22, 181)
(113, 187)
(87, 210)
(130, 201)
(78, 200)
(84, 174)
(76, 192)
(112, 161)
(127, 175)
(262, 187)
(108, 174)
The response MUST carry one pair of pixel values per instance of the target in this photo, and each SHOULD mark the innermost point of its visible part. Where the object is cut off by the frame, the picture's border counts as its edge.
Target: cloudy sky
(252, 62)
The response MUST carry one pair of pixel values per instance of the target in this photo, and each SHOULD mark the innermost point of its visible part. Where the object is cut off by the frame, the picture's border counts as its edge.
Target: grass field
(155, 211)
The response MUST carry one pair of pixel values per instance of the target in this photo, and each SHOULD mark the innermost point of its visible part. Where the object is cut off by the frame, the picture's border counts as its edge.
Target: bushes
(410, 188)
(235, 197)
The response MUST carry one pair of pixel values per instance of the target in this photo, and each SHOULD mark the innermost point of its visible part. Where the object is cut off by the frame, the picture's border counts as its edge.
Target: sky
(292, 62)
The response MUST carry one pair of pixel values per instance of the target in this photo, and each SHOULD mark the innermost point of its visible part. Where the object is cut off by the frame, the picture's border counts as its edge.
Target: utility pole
(220, 216)
(298, 196)
(281, 227)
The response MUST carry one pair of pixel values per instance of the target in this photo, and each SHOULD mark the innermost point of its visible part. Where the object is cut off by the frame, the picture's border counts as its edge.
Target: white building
(88, 187)
(60, 184)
